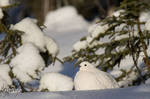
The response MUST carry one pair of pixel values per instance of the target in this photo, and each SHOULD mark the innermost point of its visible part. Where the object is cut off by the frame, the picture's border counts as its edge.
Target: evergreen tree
(126, 38)
(10, 39)
(14, 52)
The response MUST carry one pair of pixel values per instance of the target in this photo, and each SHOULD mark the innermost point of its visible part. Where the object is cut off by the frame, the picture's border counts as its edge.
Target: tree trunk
(46, 7)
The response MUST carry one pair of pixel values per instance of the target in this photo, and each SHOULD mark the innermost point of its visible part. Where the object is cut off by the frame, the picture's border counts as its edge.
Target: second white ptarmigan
(90, 78)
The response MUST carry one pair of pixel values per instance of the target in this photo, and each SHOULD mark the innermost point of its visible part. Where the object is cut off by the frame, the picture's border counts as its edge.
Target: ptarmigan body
(91, 78)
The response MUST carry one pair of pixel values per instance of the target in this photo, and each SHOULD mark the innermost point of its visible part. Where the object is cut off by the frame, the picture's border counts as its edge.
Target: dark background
(89, 9)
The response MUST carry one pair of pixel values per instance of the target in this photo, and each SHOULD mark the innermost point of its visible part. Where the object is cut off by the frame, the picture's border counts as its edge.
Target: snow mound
(5, 79)
(57, 20)
(56, 82)
(27, 62)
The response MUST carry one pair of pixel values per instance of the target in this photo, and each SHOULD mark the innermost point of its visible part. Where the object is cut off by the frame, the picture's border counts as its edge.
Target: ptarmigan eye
(85, 65)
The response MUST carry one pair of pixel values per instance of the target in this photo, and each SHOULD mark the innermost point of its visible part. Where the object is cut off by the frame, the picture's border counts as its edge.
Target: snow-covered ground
(140, 92)
(66, 26)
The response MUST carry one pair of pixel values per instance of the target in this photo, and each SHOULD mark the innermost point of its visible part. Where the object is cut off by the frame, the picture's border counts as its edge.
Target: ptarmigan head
(85, 66)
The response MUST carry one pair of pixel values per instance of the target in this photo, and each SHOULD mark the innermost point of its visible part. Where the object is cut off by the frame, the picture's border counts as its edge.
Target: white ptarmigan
(91, 78)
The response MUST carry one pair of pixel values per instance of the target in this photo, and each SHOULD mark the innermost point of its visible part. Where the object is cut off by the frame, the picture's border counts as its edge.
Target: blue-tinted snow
(140, 92)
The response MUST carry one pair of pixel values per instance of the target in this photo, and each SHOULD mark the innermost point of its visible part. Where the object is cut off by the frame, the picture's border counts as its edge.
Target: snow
(89, 39)
(125, 64)
(147, 81)
(128, 79)
(144, 16)
(116, 73)
(65, 16)
(120, 27)
(5, 79)
(80, 45)
(147, 25)
(4, 3)
(32, 33)
(96, 29)
(27, 62)
(51, 46)
(91, 78)
(138, 92)
(1, 13)
(66, 26)
(117, 13)
(56, 82)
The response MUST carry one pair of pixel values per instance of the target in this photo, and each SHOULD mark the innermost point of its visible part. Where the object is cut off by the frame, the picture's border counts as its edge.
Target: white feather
(91, 78)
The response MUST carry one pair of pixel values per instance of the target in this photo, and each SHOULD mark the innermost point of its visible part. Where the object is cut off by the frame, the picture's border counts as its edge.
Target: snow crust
(27, 62)
(56, 82)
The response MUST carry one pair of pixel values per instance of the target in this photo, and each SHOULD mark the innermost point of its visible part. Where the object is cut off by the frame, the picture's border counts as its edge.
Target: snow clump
(32, 33)
(144, 16)
(147, 25)
(27, 62)
(55, 82)
(5, 79)
(51, 46)
(118, 13)
(80, 45)
(1, 13)
(4, 3)
(96, 29)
